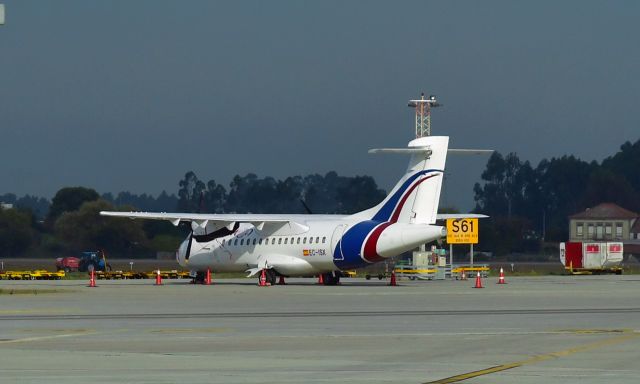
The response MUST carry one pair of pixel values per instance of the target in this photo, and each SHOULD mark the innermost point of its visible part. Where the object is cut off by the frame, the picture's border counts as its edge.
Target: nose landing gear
(270, 275)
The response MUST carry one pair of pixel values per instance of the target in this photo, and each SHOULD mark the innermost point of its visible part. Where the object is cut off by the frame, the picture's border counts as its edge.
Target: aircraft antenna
(423, 113)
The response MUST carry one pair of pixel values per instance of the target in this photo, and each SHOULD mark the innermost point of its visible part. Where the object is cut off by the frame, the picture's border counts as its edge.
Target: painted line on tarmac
(33, 311)
(41, 338)
(232, 315)
(627, 335)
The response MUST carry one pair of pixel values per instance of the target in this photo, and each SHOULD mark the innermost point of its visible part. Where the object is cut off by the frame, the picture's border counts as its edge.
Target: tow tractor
(87, 262)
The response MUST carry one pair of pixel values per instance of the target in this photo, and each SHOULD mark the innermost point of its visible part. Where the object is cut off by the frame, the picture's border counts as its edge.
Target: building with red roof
(607, 222)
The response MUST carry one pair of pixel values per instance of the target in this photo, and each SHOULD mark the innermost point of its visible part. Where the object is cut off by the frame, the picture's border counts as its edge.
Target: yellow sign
(462, 231)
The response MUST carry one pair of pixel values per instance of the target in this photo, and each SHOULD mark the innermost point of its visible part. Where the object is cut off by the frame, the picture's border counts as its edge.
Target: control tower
(423, 114)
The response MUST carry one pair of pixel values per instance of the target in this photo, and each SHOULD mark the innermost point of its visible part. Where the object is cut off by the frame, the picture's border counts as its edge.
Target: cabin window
(235, 242)
(286, 240)
(608, 230)
(273, 241)
(242, 242)
(311, 240)
(317, 239)
(254, 241)
(280, 241)
(619, 230)
(222, 242)
(298, 241)
(260, 242)
(292, 240)
(579, 230)
(324, 239)
(590, 231)
(304, 240)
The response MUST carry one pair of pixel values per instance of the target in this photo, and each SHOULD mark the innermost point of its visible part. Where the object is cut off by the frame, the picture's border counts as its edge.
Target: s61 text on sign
(462, 231)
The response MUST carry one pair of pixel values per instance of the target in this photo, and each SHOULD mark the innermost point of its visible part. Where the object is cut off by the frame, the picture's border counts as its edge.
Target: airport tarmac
(555, 329)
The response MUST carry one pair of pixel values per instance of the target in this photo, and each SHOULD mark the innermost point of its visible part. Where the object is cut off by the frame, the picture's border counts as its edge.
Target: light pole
(1, 14)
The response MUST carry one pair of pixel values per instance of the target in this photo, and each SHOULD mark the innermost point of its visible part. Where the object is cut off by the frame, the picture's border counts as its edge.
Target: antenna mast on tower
(423, 114)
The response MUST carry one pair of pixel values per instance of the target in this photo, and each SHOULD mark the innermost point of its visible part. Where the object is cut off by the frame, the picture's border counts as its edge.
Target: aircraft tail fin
(415, 198)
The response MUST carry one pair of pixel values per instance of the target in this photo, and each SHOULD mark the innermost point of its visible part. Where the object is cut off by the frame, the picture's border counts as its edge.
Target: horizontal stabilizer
(426, 150)
(409, 151)
(455, 151)
(445, 216)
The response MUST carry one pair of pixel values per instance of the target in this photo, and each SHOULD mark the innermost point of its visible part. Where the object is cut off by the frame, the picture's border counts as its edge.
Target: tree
(190, 193)
(69, 199)
(604, 185)
(85, 229)
(16, 233)
(626, 163)
(507, 181)
(358, 193)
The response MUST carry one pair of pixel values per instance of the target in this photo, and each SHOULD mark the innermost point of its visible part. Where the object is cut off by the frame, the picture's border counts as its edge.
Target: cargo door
(592, 258)
(573, 255)
(613, 255)
(335, 239)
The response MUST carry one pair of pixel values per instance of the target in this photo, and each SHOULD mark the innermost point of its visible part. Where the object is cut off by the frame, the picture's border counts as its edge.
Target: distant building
(5, 205)
(607, 222)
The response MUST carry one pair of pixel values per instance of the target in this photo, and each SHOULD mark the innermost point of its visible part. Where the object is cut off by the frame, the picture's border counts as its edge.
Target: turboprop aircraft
(309, 245)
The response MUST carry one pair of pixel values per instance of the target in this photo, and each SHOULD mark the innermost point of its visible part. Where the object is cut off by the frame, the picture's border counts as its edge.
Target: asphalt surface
(555, 329)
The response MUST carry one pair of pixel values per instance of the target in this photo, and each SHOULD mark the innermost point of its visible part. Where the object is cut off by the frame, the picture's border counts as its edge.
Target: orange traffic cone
(478, 281)
(393, 281)
(262, 281)
(158, 278)
(463, 274)
(281, 281)
(501, 278)
(320, 279)
(92, 280)
(207, 280)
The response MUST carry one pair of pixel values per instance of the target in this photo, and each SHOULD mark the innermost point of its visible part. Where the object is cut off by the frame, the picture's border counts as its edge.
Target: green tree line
(529, 206)
(71, 222)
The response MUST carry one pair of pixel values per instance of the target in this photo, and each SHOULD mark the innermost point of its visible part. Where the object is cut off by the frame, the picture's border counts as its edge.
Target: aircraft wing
(270, 224)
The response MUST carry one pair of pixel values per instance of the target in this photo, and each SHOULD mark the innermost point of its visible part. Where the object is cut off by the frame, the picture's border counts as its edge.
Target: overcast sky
(130, 95)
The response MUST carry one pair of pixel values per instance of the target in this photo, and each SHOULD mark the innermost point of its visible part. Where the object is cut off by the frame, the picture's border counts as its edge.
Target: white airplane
(309, 245)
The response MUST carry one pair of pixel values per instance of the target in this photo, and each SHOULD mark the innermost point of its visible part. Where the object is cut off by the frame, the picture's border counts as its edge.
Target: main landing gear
(331, 278)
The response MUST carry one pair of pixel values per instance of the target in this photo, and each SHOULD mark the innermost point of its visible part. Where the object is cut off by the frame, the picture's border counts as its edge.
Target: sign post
(462, 231)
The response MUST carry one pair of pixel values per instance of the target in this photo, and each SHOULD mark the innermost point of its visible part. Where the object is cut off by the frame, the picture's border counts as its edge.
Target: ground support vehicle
(39, 274)
(349, 273)
(469, 271)
(67, 264)
(415, 272)
(124, 275)
(591, 258)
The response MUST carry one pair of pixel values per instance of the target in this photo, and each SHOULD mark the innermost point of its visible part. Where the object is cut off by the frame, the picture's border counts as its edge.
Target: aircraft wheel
(330, 279)
(271, 276)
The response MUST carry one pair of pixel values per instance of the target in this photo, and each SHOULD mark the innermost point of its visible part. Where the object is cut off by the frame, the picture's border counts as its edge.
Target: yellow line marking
(627, 335)
(41, 338)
